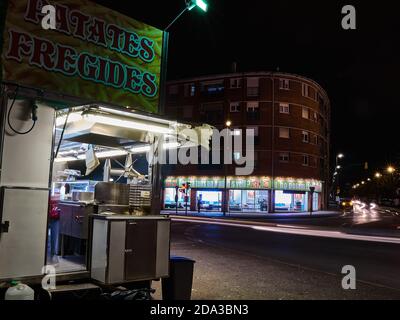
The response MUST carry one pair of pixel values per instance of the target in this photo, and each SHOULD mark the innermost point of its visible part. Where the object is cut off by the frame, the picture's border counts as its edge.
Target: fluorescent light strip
(105, 154)
(66, 159)
(134, 115)
(116, 153)
(127, 123)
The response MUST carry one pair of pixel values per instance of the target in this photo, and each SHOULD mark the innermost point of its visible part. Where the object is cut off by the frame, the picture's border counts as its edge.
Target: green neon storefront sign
(244, 183)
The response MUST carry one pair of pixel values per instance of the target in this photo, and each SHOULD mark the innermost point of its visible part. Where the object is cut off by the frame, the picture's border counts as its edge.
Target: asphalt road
(312, 257)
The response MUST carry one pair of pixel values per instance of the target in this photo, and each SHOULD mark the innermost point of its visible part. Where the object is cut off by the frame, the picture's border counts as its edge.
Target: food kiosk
(74, 99)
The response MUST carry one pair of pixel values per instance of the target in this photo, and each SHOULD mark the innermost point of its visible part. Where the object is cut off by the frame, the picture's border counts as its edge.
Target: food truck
(80, 107)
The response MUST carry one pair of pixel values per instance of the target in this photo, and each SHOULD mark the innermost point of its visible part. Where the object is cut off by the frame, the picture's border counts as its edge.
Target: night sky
(358, 68)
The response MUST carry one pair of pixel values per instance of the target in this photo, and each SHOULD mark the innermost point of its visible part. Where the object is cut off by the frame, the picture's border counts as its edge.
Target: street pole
(337, 176)
(310, 205)
(225, 180)
(189, 5)
(227, 145)
(186, 200)
(176, 199)
(177, 17)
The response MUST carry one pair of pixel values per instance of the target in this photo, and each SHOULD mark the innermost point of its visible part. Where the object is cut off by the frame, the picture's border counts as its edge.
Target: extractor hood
(103, 134)
(113, 129)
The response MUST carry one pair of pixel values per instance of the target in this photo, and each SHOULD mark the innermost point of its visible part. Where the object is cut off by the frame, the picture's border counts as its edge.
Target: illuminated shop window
(290, 201)
(248, 200)
(169, 199)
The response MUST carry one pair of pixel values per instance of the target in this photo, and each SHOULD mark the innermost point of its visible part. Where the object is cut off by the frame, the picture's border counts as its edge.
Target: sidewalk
(257, 215)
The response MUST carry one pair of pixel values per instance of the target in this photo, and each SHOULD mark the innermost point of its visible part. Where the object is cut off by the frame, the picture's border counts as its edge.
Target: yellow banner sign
(94, 53)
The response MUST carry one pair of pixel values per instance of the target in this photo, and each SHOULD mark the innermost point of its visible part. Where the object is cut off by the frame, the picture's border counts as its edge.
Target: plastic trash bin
(178, 286)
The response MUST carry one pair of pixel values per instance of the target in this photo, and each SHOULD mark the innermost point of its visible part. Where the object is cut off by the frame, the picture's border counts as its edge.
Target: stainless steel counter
(127, 217)
(78, 203)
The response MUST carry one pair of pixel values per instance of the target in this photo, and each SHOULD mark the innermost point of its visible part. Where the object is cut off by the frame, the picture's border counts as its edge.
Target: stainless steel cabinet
(126, 248)
(74, 220)
(141, 248)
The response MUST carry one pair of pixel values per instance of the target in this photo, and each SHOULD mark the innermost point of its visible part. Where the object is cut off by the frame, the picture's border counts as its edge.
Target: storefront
(248, 200)
(244, 194)
(170, 200)
(209, 200)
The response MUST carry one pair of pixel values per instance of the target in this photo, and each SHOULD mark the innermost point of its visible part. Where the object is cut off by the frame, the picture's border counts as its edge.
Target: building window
(284, 157)
(304, 90)
(173, 90)
(212, 112)
(316, 140)
(215, 89)
(306, 136)
(252, 106)
(284, 84)
(190, 90)
(305, 113)
(284, 108)
(284, 133)
(212, 88)
(305, 160)
(236, 83)
(252, 87)
(234, 107)
(315, 117)
(188, 112)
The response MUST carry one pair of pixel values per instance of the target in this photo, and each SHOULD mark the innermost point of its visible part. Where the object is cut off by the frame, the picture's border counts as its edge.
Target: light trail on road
(287, 229)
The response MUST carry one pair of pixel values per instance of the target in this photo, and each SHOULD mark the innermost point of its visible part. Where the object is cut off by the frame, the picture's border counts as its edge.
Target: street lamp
(337, 167)
(378, 175)
(190, 4)
(390, 169)
(199, 3)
